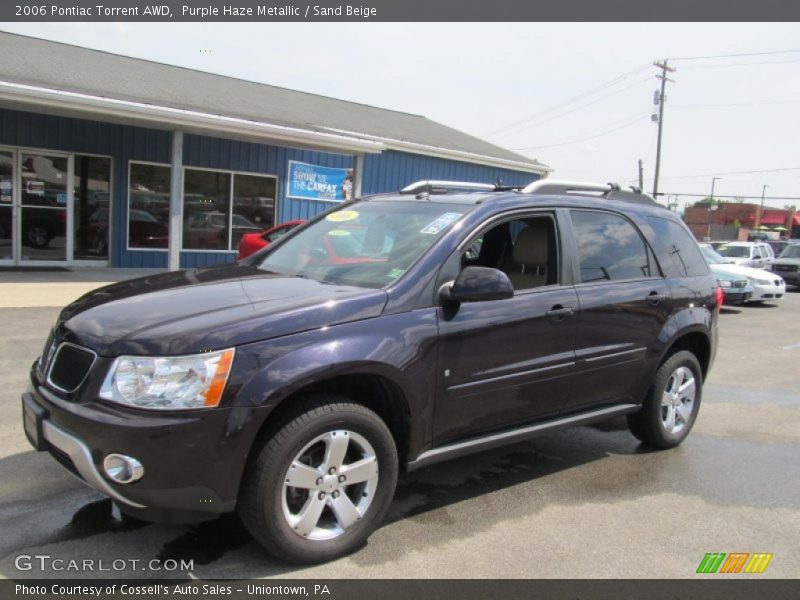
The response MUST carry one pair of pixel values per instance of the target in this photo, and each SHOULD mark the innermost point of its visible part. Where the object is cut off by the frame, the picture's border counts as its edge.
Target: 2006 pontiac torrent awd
(384, 335)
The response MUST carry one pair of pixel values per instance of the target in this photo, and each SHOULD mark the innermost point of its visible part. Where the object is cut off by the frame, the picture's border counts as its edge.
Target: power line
(583, 139)
(738, 55)
(729, 196)
(745, 64)
(755, 171)
(580, 107)
(752, 103)
(571, 100)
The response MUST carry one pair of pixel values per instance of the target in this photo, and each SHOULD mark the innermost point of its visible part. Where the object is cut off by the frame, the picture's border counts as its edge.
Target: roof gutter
(438, 152)
(337, 140)
(181, 118)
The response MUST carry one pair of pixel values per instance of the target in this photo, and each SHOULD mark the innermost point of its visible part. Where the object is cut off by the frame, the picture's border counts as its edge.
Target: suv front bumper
(193, 462)
(69, 451)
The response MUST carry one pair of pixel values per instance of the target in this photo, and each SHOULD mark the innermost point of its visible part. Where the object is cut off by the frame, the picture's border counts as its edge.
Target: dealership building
(115, 161)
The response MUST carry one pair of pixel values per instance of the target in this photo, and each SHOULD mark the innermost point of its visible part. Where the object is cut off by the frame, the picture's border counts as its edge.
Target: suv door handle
(654, 298)
(559, 313)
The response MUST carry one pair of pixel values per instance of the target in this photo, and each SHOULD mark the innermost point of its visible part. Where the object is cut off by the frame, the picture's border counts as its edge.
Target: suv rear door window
(609, 248)
(682, 247)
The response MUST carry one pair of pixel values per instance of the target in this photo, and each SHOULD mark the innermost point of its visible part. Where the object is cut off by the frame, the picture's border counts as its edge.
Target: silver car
(787, 265)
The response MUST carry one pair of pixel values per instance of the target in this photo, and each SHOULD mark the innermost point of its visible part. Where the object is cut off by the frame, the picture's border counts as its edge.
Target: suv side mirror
(477, 284)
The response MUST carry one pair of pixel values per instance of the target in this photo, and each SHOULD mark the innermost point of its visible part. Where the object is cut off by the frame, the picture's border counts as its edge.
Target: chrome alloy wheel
(677, 402)
(329, 485)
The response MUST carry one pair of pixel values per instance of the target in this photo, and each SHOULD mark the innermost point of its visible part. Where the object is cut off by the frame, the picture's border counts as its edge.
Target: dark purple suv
(294, 386)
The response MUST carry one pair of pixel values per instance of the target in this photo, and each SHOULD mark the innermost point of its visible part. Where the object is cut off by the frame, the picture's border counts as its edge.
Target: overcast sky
(512, 84)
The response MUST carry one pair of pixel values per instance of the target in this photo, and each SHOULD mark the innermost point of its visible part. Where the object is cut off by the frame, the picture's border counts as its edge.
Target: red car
(252, 242)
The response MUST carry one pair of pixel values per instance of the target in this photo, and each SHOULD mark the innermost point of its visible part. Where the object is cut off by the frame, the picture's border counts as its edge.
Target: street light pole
(710, 208)
(760, 214)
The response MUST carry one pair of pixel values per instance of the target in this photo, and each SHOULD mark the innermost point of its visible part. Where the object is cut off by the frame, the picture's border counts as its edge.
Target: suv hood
(743, 271)
(208, 309)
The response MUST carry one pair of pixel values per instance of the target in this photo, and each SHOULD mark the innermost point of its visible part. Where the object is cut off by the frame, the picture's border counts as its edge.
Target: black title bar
(241, 11)
(709, 588)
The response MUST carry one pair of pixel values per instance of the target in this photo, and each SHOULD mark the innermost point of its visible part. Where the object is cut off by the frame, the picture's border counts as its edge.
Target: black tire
(261, 501)
(37, 236)
(648, 424)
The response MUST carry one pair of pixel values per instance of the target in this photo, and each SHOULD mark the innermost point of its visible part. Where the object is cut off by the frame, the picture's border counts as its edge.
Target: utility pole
(641, 175)
(711, 207)
(760, 214)
(665, 68)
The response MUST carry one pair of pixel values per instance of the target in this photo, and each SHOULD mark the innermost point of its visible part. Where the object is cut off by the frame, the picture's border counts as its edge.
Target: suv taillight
(719, 297)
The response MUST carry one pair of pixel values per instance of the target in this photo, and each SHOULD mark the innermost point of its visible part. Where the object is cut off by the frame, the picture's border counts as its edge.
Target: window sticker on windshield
(338, 232)
(395, 273)
(440, 223)
(342, 216)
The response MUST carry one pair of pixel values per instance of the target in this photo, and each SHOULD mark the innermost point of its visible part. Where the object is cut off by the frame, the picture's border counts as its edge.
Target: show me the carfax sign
(315, 182)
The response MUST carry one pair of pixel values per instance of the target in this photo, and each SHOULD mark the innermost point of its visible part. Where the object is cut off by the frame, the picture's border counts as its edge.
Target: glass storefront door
(54, 208)
(44, 199)
(6, 206)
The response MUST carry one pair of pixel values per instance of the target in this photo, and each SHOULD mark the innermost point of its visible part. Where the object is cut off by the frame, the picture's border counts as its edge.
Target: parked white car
(766, 285)
(747, 254)
(708, 246)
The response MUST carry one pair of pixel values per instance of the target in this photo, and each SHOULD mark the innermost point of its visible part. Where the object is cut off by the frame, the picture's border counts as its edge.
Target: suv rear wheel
(319, 486)
(671, 406)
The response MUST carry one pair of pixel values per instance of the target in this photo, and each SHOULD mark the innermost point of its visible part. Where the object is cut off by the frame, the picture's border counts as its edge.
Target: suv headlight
(759, 281)
(723, 283)
(168, 383)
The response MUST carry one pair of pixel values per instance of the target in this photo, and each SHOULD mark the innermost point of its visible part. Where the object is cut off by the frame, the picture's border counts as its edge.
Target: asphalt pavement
(590, 502)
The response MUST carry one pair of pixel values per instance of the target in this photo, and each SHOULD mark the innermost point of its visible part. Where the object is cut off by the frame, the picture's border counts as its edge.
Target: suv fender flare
(271, 384)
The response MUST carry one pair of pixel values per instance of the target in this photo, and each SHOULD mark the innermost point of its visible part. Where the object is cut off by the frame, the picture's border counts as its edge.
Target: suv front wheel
(318, 487)
(670, 409)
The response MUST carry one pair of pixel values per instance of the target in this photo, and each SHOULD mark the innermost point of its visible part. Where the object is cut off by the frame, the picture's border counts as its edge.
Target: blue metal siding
(392, 170)
(121, 142)
(217, 153)
(386, 172)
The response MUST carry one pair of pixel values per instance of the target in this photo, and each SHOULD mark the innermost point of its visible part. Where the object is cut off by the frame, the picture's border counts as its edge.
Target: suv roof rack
(603, 190)
(437, 186)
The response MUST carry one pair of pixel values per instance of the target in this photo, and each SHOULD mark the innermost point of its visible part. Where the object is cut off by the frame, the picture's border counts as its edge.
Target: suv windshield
(369, 244)
(734, 251)
(792, 251)
(711, 257)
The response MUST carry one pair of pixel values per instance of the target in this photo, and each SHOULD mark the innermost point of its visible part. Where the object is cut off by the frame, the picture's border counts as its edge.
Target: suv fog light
(123, 469)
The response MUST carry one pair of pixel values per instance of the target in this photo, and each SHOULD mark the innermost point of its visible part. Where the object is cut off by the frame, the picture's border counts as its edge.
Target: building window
(91, 200)
(254, 201)
(148, 206)
(220, 207)
(206, 211)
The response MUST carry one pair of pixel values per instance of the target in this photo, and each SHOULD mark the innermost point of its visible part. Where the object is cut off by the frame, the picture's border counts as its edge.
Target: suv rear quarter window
(682, 247)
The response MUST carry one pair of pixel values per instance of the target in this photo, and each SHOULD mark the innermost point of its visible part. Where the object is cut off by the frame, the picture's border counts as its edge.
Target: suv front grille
(69, 367)
(64, 460)
(785, 268)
